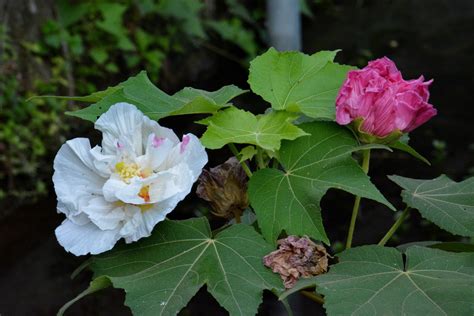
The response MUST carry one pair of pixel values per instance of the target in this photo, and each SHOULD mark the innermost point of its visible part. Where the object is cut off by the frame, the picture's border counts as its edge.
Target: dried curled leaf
(225, 188)
(297, 258)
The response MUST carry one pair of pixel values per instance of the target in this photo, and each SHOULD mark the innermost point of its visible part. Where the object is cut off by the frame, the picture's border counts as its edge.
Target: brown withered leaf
(225, 188)
(297, 258)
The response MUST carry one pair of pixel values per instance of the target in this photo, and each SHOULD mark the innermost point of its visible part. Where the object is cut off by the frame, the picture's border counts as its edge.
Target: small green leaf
(448, 204)
(112, 23)
(187, 13)
(297, 82)
(247, 153)
(199, 101)
(289, 199)
(161, 273)
(408, 149)
(233, 31)
(374, 280)
(99, 55)
(241, 127)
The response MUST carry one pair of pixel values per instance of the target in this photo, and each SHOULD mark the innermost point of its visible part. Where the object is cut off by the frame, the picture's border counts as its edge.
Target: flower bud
(297, 258)
(225, 188)
(382, 105)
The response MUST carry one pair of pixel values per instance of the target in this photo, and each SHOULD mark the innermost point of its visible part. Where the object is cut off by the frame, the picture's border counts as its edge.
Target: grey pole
(284, 24)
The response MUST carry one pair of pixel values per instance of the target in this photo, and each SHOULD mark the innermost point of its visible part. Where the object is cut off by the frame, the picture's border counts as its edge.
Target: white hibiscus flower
(125, 187)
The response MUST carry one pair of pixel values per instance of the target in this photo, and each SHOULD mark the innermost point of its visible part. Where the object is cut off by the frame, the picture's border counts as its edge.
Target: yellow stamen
(126, 171)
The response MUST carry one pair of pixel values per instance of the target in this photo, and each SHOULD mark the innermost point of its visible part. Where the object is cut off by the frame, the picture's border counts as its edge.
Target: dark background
(433, 38)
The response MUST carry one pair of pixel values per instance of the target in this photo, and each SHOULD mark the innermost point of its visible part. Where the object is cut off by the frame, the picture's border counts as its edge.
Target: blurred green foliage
(92, 44)
(28, 131)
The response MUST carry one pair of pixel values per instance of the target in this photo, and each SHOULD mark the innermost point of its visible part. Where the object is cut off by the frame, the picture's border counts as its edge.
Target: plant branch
(355, 209)
(394, 227)
(234, 151)
(313, 296)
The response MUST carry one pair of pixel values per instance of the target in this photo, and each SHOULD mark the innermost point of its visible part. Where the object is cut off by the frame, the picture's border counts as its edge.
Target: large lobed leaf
(374, 280)
(289, 199)
(160, 274)
(153, 102)
(297, 82)
(238, 126)
(448, 204)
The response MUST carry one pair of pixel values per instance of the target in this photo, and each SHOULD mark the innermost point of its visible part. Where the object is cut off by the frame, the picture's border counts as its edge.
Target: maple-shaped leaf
(161, 273)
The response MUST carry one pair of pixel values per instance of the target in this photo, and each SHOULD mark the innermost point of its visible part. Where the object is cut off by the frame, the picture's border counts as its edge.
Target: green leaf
(374, 280)
(153, 102)
(241, 127)
(93, 97)
(99, 55)
(69, 13)
(199, 101)
(289, 199)
(247, 153)
(187, 12)
(446, 246)
(297, 82)
(305, 9)
(454, 246)
(112, 23)
(408, 149)
(161, 273)
(234, 32)
(448, 204)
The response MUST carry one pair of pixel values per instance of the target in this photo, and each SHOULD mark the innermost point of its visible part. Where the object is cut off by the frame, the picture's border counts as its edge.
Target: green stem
(260, 162)
(394, 227)
(313, 296)
(234, 151)
(355, 209)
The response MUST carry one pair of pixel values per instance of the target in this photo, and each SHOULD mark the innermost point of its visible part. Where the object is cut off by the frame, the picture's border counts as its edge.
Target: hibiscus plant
(322, 116)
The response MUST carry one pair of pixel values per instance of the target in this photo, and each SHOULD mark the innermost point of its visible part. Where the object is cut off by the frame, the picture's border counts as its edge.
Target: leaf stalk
(394, 227)
(235, 152)
(260, 162)
(313, 296)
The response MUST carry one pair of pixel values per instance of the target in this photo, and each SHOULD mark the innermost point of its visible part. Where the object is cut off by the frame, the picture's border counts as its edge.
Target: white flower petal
(103, 214)
(170, 182)
(134, 227)
(121, 120)
(111, 187)
(191, 152)
(75, 177)
(152, 127)
(157, 150)
(83, 239)
(194, 155)
(72, 213)
(103, 163)
(130, 192)
(154, 215)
